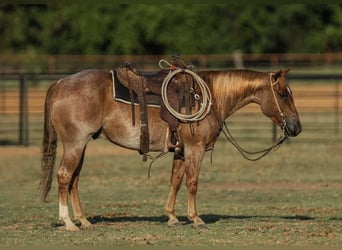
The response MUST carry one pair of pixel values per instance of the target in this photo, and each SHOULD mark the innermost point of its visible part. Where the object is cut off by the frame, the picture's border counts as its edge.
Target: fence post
(23, 112)
(3, 98)
(337, 107)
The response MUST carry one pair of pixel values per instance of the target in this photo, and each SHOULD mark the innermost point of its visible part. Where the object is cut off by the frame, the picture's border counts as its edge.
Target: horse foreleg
(178, 169)
(193, 164)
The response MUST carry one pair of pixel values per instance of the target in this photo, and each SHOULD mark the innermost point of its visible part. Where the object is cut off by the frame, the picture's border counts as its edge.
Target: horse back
(88, 85)
(80, 99)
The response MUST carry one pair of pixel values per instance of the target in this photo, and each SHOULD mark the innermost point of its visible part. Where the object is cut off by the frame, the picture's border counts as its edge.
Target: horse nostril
(299, 128)
(293, 128)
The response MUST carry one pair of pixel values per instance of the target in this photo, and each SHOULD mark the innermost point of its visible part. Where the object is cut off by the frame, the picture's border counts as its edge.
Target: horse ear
(277, 74)
(285, 71)
(280, 73)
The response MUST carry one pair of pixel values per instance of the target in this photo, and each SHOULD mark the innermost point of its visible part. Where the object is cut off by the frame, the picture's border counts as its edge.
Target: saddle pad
(121, 94)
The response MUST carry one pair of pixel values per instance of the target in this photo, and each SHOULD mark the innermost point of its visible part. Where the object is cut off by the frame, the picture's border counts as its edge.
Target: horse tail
(49, 148)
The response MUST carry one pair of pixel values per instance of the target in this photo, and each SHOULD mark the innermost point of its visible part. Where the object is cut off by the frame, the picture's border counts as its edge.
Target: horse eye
(283, 95)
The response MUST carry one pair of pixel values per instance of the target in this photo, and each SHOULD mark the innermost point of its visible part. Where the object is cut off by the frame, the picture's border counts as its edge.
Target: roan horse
(81, 107)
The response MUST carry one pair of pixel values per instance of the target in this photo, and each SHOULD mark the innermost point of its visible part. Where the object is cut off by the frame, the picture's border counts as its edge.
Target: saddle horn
(130, 66)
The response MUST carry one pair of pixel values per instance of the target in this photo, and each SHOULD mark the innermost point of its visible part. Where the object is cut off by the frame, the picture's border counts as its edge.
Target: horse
(80, 107)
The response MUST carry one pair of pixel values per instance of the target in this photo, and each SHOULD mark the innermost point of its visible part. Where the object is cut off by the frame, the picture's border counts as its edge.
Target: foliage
(169, 28)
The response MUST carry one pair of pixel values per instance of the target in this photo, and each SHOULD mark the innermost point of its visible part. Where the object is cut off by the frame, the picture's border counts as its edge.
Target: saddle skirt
(121, 91)
(121, 94)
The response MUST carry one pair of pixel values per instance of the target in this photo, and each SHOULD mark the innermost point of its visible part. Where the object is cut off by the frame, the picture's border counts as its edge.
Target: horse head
(277, 102)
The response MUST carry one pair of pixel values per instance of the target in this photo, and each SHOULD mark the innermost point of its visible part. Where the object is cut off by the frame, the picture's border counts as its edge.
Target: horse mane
(231, 86)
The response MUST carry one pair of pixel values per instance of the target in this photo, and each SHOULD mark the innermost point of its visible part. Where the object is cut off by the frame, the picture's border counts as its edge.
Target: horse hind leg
(67, 176)
(76, 205)
(75, 198)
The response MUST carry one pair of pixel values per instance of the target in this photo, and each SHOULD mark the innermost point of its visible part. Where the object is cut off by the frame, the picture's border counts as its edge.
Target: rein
(247, 154)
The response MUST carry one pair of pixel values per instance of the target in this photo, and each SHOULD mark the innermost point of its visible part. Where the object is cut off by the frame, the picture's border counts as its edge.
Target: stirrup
(172, 147)
(177, 149)
(179, 153)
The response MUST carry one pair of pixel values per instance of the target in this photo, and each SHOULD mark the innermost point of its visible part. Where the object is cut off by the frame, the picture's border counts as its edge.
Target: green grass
(291, 198)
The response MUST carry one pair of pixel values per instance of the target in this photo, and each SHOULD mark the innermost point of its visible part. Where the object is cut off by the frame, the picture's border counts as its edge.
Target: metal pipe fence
(318, 98)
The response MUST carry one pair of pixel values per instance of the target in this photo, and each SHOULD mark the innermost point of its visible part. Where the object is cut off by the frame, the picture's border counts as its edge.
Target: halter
(263, 152)
(277, 103)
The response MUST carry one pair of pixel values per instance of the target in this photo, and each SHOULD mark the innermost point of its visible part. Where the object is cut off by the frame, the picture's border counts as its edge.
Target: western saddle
(178, 93)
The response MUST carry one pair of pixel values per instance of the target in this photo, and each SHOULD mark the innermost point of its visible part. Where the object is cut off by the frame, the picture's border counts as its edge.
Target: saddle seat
(152, 80)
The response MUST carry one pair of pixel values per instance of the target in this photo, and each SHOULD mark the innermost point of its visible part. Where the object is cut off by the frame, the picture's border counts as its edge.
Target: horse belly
(119, 128)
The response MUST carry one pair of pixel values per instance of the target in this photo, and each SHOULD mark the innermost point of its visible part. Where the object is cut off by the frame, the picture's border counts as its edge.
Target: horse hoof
(201, 226)
(174, 223)
(73, 229)
(69, 228)
(85, 224)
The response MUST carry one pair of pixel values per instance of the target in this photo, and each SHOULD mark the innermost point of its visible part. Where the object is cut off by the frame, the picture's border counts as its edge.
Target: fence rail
(71, 63)
(318, 98)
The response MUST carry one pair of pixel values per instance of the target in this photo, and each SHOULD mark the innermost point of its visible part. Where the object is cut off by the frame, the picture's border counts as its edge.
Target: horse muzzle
(293, 127)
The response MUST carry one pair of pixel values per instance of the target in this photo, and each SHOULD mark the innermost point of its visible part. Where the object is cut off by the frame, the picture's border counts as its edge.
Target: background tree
(169, 28)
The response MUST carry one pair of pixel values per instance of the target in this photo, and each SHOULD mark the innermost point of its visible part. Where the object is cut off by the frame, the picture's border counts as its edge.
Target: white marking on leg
(64, 216)
(63, 212)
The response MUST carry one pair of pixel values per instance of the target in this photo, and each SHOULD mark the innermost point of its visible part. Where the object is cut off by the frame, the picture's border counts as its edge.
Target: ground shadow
(208, 218)
(113, 219)
(335, 218)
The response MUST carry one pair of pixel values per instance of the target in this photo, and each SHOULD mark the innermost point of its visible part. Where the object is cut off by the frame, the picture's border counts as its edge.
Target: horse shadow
(208, 218)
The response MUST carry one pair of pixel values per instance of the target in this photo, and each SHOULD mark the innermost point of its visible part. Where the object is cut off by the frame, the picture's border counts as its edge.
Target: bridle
(283, 127)
(261, 153)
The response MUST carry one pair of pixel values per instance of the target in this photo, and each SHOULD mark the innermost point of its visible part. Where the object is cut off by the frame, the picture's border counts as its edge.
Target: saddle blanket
(121, 94)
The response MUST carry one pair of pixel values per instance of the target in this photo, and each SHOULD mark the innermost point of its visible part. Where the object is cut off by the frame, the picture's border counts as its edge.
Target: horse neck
(232, 90)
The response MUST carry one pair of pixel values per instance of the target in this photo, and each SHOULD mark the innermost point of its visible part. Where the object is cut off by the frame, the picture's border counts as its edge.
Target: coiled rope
(205, 91)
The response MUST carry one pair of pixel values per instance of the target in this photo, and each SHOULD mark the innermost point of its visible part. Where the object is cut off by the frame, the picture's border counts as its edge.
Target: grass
(289, 198)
